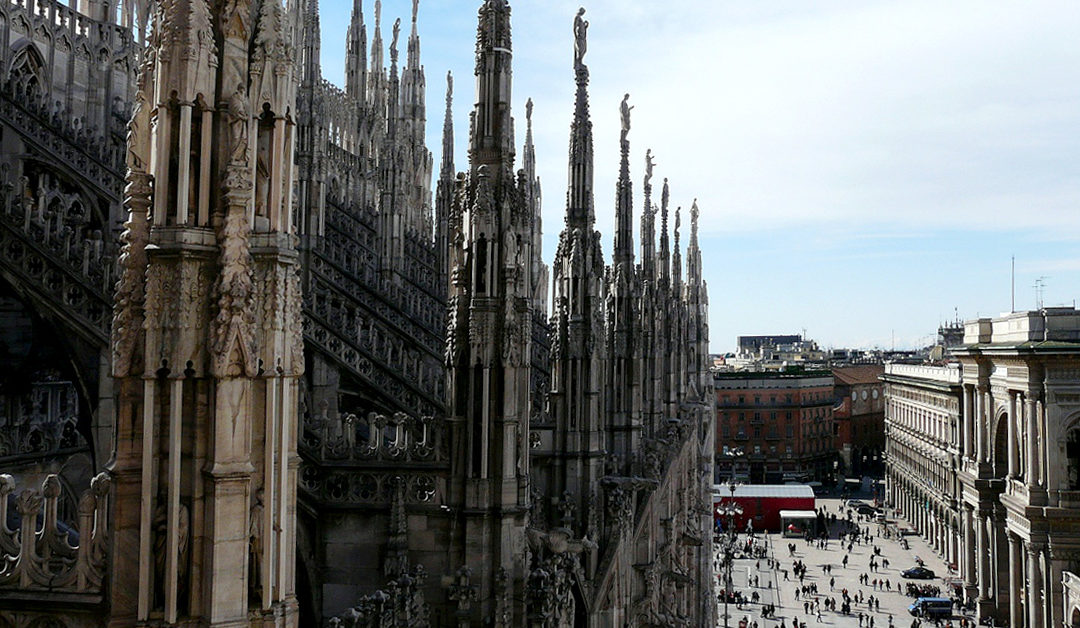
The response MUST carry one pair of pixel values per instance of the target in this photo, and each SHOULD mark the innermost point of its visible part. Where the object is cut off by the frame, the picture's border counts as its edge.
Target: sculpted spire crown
(694, 212)
(448, 130)
(491, 140)
(579, 197)
(581, 44)
(394, 42)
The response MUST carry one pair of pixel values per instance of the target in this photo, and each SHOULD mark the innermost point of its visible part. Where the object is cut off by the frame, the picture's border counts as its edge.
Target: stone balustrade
(56, 558)
(949, 373)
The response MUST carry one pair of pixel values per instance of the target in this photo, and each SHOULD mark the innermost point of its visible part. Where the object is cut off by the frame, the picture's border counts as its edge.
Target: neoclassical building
(987, 465)
(325, 394)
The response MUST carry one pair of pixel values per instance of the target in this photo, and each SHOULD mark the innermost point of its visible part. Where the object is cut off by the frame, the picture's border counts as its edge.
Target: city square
(826, 570)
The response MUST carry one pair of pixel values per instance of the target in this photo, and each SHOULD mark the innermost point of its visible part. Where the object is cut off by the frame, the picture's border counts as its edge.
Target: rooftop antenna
(1040, 288)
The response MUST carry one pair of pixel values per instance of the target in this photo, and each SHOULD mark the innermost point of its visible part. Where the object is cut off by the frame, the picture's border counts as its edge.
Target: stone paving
(774, 589)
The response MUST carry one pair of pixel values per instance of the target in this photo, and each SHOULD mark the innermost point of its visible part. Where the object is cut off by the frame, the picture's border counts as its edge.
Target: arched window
(1072, 460)
(28, 71)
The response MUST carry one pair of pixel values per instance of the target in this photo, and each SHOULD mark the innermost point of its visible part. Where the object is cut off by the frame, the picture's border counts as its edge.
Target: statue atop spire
(694, 211)
(624, 111)
(649, 165)
(448, 130)
(415, 10)
(393, 42)
(581, 28)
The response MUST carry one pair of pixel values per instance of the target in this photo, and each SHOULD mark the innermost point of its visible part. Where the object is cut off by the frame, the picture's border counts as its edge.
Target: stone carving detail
(62, 556)
(400, 603)
(44, 421)
(233, 343)
(399, 437)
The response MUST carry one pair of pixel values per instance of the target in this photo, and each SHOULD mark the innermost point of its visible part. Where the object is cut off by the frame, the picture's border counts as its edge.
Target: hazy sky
(864, 168)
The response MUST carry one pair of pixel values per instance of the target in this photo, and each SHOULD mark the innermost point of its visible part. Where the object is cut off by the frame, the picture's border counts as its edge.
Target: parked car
(931, 607)
(918, 573)
(866, 509)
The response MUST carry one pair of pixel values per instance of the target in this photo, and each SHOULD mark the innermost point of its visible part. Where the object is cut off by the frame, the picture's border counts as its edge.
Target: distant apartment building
(776, 353)
(775, 427)
(860, 419)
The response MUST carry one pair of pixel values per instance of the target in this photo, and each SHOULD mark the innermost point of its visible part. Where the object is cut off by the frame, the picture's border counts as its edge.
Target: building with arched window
(984, 460)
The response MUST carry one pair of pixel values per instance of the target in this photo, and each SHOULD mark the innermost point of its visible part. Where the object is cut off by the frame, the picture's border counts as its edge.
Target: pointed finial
(449, 89)
(528, 112)
(415, 9)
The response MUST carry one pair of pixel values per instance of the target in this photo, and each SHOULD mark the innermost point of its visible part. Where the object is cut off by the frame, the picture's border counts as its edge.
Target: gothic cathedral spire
(488, 339)
(575, 398)
(356, 72)
(205, 465)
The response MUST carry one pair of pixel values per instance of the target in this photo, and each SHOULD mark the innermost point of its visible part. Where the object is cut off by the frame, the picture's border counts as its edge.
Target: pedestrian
(832, 583)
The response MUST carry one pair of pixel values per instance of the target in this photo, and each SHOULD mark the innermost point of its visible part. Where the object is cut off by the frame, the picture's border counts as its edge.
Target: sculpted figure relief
(138, 126)
(238, 124)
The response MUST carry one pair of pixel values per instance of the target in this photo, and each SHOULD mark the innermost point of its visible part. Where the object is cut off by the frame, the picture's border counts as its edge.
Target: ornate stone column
(1034, 585)
(969, 432)
(980, 428)
(969, 548)
(1016, 581)
(1031, 463)
(1011, 418)
(983, 550)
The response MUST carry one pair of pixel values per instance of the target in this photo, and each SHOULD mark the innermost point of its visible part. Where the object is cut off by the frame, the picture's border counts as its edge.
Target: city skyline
(841, 152)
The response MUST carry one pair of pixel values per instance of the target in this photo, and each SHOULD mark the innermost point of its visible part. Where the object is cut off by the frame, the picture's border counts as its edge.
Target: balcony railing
(58, 557)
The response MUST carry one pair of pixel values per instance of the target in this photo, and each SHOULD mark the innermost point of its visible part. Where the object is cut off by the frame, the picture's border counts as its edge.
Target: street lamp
(730, 538)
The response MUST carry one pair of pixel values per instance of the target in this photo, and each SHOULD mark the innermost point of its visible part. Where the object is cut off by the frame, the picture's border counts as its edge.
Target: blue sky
(864, 168)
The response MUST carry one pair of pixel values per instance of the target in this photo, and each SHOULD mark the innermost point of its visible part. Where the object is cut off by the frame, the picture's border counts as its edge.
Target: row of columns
(941, 534)
(1024, 408)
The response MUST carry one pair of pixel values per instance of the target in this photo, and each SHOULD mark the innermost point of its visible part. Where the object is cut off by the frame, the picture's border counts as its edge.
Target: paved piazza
(774, 589)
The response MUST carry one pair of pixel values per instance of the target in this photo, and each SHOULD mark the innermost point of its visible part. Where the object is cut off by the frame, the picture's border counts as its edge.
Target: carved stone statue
(581, 27)
(649, 164)
(262, 173)
(397, 33)
(138, 126)
(255, 547)
(528, 110)
(238, 124)
(624, 111)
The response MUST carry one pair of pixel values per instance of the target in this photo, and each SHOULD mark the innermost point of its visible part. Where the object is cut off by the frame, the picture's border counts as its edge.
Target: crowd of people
(849, 531)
